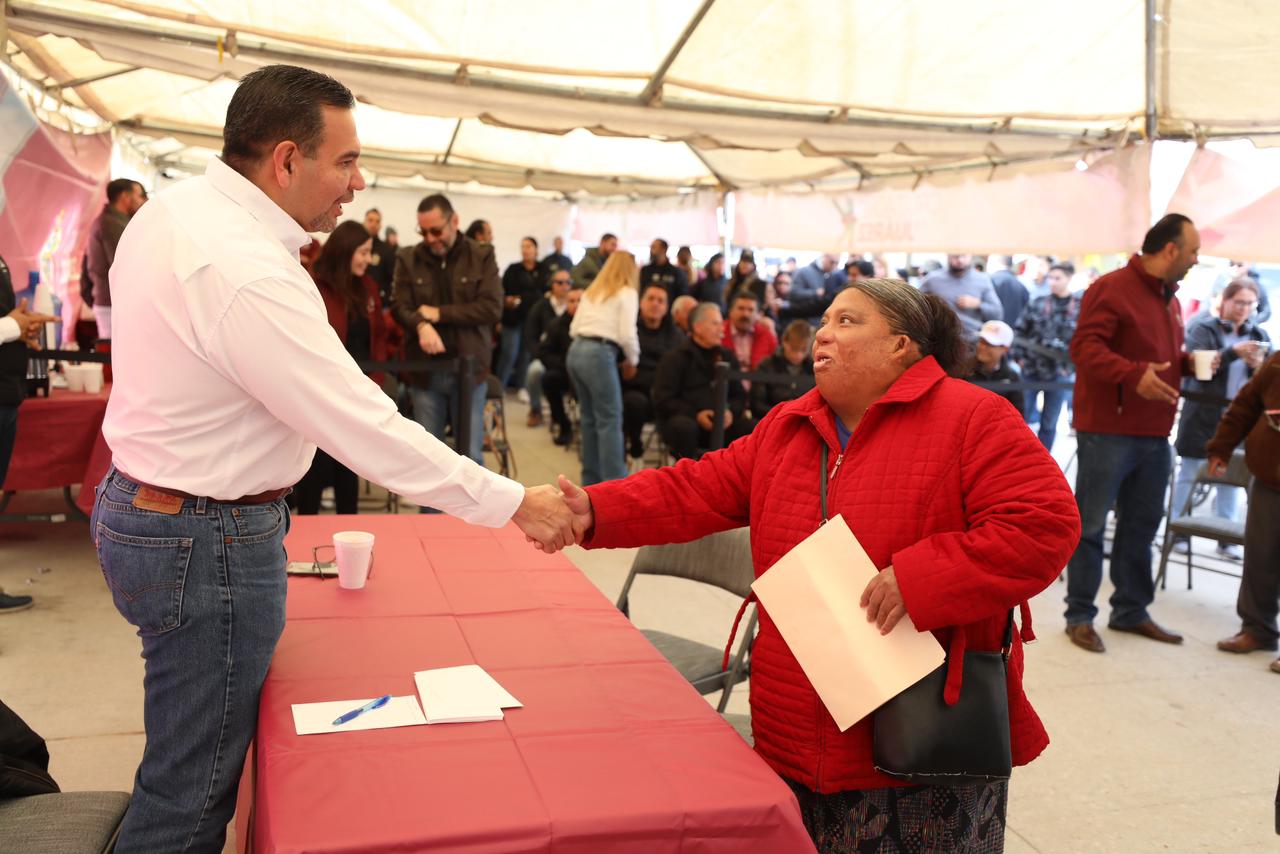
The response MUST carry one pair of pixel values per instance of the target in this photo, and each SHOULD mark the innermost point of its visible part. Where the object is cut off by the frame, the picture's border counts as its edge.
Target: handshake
(553, 518)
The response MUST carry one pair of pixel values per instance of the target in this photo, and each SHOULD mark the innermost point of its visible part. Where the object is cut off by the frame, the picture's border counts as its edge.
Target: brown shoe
(535, 419)
(1244, 642)
(1149, 629)
(1083, 636)
(1275, 666)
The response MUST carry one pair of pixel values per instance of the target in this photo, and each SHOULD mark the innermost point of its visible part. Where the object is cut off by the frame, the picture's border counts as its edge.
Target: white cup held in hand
(354, 553)
(1204, 363)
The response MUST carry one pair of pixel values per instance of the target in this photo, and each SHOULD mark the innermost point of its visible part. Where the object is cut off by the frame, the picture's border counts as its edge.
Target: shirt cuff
(9, 330)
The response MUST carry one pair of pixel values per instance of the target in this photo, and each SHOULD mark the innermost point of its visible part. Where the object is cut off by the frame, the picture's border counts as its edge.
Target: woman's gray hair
(924, 318)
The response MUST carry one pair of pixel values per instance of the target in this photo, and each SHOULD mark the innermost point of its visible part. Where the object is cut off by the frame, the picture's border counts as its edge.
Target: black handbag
(918, 738)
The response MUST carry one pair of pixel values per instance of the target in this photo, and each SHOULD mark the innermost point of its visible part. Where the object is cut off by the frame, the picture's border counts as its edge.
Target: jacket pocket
(146, 576)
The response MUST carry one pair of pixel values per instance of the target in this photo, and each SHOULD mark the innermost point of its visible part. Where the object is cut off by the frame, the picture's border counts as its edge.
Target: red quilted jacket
(941, 480)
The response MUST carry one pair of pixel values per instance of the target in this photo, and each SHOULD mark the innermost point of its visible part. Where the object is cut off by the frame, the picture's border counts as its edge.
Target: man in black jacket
(382, 265)
(17, 327)
(551, 352)
(541, 317)
(660, 271)
(659, 335)
(682, 394)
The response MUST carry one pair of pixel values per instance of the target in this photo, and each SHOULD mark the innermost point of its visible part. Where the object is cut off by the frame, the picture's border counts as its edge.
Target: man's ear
(285, 159)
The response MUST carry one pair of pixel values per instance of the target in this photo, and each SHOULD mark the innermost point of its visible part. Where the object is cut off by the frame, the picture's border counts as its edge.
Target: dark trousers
(1259, 598)
(326, 471)
(8, 433)
(687, 440)
(555, 385)
(637, 410)
(1131, 474)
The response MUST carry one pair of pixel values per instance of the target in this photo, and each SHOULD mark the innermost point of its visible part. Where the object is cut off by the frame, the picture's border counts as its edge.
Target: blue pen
(367, 707)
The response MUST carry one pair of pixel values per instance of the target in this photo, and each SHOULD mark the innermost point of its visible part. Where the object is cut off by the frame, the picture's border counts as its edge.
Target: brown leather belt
(259, 498)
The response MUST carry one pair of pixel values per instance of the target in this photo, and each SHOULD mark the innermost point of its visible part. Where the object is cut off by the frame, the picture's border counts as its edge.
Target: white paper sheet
(313, 718)
(462, 695)
(812, 595)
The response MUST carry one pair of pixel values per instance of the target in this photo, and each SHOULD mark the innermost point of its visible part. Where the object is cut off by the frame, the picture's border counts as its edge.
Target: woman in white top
(604, 334)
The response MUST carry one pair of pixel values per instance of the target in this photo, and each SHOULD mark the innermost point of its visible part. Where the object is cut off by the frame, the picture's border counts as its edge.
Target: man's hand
(968, 301)
(579, 503)
(545, 519)
(1217, 467)
(511, 301)
(429, 313)
(883, 601)
(704, 418)
(728, 419)
(1152, 387)
(429, 340)
(30, 322)
(628, 370)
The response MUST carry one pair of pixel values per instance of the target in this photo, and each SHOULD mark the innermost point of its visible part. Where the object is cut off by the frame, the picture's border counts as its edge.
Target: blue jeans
(205, 588)
(8, 433)
(1131, 473)
(593, 369)
(1054, 401)
(437, 404)
(1226, 499)
(533, 383)
(513, 358)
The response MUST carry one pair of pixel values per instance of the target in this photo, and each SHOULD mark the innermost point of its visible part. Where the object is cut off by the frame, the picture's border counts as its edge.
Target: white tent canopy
(585, 97)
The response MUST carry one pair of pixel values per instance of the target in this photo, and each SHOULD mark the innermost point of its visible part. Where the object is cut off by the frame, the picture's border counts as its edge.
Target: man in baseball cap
(991, 362)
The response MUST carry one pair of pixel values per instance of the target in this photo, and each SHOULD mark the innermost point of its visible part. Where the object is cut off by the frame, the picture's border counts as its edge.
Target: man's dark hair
(865, 268)
(118, 188)
(532, 240)
(744, 295)
(278, 103)
(666, 247)
(653, 285)
(1065, 266)
(436, 202)
(1168, 230)
(608, 236)
(476, 229)
(373, 210)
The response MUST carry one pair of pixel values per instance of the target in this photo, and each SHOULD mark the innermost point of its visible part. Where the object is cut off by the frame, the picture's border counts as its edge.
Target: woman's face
(361, 259)
(528, 252)
(854, 350)
(746, 267)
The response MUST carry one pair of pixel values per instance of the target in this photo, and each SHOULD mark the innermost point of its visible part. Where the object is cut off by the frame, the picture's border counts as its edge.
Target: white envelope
(313, 718)
(462, 694)
(812, 595)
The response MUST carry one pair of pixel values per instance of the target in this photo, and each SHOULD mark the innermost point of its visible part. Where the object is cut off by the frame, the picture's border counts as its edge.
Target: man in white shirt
(227, 376)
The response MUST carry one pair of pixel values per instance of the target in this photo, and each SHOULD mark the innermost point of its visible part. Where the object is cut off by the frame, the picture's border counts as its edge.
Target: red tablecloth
(60, 443)
(612, 752)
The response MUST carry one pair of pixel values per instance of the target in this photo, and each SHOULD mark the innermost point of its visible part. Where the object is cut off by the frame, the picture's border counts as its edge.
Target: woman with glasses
(1254, 416)
(1243, 346)
(604, 334)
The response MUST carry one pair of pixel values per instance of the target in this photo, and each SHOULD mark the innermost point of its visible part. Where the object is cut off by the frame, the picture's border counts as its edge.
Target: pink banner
(51, 189)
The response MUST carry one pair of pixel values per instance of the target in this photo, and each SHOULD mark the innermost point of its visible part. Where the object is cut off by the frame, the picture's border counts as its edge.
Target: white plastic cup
(92, 377)
(1204, 363)
(75, 377)
(354, 554)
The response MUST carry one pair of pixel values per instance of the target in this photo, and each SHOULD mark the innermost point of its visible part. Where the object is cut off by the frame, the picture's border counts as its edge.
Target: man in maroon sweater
(1128, 355)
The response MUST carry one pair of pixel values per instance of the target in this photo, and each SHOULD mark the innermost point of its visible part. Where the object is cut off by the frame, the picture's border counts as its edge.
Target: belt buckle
(157, 501)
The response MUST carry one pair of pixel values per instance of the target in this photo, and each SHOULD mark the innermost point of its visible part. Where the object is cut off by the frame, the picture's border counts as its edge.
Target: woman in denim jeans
(604, 334)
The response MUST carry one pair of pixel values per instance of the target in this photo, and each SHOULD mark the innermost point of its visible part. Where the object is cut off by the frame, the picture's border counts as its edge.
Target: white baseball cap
(997, 333)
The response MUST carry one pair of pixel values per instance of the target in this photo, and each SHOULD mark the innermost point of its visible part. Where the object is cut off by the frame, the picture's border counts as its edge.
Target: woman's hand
(883, 601)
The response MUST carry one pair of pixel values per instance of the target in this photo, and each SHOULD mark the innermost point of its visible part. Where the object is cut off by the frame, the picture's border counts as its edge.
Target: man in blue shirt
(966, 290)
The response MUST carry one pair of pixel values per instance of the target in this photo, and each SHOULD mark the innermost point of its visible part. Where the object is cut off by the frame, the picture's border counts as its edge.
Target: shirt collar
(1160, 286)
(244, 193)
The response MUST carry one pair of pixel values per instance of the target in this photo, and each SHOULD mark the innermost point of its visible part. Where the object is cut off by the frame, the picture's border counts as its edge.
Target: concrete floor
(1155, 748)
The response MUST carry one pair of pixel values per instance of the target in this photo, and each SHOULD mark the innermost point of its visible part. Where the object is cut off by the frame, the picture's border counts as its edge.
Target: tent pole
(1152, 120)
(653, 89)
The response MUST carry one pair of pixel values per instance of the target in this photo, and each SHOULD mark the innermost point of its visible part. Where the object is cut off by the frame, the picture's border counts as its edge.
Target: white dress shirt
(613, 318)
(228, 374)
(9, 330)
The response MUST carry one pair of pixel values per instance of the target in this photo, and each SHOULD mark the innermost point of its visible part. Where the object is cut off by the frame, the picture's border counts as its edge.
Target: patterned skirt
(911, 820)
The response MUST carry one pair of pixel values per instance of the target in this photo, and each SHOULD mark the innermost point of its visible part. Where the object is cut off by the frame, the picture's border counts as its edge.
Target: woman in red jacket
(949, 493)
(355, 312)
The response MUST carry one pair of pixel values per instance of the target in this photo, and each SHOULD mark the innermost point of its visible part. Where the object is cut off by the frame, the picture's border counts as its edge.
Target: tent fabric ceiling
(587, 97)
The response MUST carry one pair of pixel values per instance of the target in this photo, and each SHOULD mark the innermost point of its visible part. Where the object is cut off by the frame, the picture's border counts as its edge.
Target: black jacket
(1005, 373)
(1199, 420)
(683, 382)
(13, 356)
(667, 275)
(539, 321)
(553, 263)
(526, 284)
(765, 396)
(654, 344)
(554, 346)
